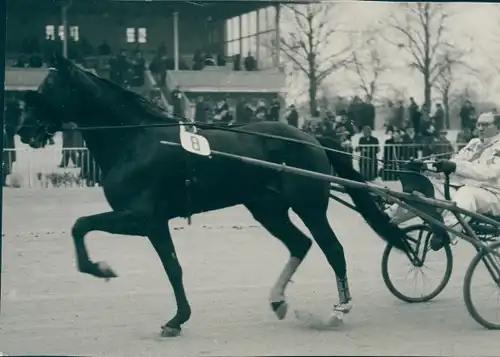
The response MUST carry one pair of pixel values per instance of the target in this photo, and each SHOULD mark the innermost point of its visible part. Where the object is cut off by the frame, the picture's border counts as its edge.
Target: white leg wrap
(278, 291)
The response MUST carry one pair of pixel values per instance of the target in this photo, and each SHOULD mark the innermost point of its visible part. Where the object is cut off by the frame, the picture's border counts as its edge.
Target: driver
(477, 167)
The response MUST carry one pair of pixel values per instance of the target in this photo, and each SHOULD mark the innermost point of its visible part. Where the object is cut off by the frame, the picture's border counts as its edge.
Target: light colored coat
(478, 164)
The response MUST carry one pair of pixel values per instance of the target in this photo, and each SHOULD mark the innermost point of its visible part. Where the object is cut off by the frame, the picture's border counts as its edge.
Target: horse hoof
(280, 308)
(336, 319)
(318, 322)
(167, 331)
(105, 271)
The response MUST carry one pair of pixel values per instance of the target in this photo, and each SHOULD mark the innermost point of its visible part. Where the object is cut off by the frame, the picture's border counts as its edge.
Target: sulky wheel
(483, 298)
(427, 280)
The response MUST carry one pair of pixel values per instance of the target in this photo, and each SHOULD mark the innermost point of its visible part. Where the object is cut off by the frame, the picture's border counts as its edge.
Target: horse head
(60, 98)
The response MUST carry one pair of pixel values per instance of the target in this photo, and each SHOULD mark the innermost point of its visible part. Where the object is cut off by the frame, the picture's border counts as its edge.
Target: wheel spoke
(419, 283)
(482, 288)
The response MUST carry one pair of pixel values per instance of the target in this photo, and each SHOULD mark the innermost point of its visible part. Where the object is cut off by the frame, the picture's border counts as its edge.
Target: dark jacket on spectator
(176, 101)
(293, 118)
(200, 114)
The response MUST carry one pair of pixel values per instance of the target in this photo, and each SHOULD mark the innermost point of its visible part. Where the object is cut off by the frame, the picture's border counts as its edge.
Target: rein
(204, 126)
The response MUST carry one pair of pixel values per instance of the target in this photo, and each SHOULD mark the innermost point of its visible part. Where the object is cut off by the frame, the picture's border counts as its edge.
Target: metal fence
(75, 167)
(50, 168)
(374, 161)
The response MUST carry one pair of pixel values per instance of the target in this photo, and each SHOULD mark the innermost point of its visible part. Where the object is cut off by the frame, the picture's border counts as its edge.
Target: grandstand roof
(217, 9)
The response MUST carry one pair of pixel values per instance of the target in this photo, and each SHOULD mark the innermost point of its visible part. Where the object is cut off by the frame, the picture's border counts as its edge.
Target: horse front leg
(115, 222)
(161, 240)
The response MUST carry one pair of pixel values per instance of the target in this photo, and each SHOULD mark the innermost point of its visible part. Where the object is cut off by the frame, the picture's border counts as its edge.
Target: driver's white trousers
(474, 199)
(470, 198)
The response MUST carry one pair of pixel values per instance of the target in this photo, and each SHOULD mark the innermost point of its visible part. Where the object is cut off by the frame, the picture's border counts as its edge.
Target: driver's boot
(442, 237)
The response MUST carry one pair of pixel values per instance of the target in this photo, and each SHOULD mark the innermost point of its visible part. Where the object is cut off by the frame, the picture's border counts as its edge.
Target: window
(253, 45)
(271, 14)
(233, 48)
(142, 35)
(229, 30)
(130, 35)
(74, 33)
(245, 31)
(252, 26)
(236, 27)
(263, 20)
(245, 46)
(60, 32)
(50, 32)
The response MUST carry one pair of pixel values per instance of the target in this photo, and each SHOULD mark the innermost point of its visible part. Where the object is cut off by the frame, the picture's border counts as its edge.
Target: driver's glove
(445, 166)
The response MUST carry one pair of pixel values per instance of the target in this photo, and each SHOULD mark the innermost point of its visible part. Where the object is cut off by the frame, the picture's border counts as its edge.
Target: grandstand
(81, 29)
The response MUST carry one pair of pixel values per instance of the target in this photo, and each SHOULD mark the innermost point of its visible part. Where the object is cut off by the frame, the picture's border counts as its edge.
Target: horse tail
(363, 200)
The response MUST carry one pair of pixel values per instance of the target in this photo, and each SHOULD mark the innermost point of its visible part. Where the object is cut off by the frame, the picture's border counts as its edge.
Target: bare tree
(308, 45)
(367, 63)
(451, 62)
(422, 32)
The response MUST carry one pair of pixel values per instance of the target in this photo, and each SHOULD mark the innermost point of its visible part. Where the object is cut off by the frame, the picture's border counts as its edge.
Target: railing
(378, 160)
(50, 168)
(74, 167)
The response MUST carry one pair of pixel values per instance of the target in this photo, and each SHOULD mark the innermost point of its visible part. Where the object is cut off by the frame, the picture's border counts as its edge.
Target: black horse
(144, 181)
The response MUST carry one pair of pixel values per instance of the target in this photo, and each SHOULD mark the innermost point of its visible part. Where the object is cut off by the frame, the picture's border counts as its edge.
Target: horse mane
(129, 98)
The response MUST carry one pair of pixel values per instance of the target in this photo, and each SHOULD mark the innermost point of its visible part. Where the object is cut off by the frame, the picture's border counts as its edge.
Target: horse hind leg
(273, 215)
(318, 225)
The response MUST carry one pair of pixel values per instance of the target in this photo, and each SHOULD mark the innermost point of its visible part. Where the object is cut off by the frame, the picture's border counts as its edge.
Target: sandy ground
(229, 264)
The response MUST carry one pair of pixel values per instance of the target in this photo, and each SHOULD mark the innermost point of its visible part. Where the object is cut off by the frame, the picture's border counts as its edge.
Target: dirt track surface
(229, 264)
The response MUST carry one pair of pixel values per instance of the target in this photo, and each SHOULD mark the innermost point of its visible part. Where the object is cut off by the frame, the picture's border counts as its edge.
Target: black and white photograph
(245, 178)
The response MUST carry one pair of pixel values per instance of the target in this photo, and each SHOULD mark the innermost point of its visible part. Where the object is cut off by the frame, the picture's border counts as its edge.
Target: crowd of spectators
(410, 131)
(230, 112)
(163, 61)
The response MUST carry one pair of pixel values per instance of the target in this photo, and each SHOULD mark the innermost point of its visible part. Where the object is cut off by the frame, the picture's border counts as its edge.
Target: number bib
(194, 143)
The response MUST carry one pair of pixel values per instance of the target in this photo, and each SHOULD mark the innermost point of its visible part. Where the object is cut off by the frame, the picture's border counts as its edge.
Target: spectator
(198, 61)
(467, 113)
(237, 62)
(261, 111)
(292, 117)
(162, 49)
(13, 112)
(200, 114)
(222, 112)
(71, 140)
(244, 113)
(343, 136)
(250, 62)
(439, 117)
(368, 147)
(209, 60)
(329, 125)
(442, 147)
(392, 153)
(414, 114)
(159, 68)
(85, 48)
(35, 61)
(138, 68)
(221, 60)
(274, 111)
(411, 144)
(354, 112)
(398, 115)
(176, 101)
(463, 137)
(427, 132)
(367, 113)
(104, 49)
